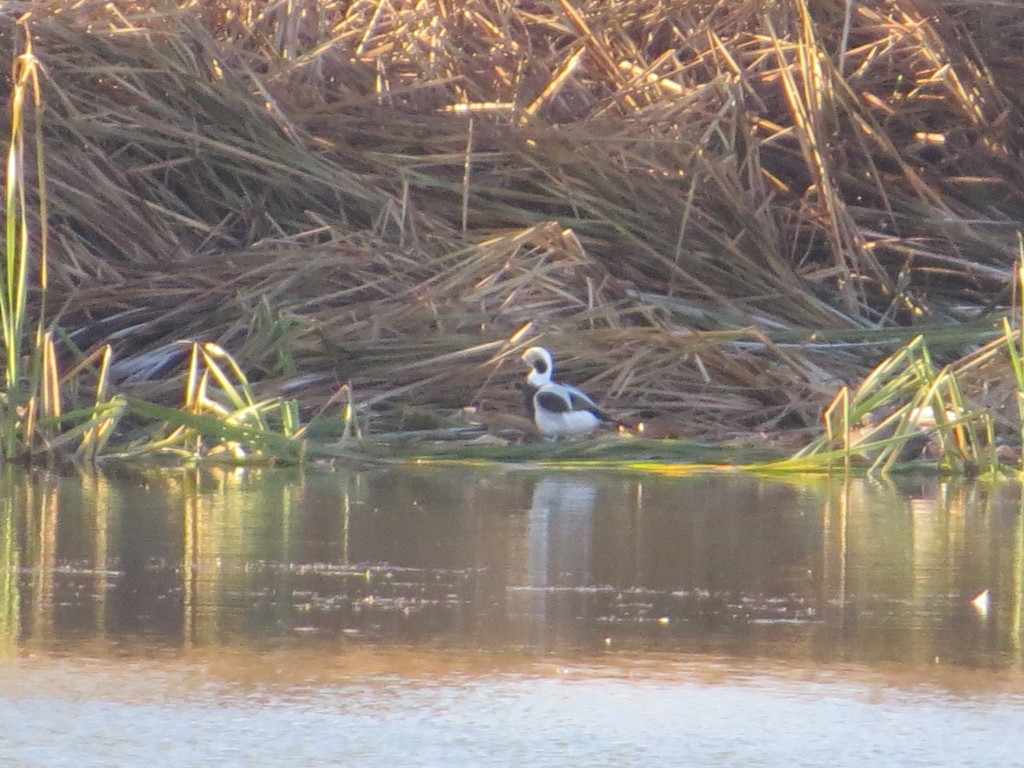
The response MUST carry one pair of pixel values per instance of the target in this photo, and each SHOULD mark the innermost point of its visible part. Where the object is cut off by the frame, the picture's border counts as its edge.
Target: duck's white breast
(567, 424)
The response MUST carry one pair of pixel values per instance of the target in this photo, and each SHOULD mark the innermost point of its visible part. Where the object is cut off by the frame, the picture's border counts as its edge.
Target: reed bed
(716, 213)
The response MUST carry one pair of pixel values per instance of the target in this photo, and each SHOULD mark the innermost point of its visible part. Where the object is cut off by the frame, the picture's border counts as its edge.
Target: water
(452, 616)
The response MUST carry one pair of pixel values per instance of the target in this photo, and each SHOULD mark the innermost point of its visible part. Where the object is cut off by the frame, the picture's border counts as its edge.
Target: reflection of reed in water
(906, 561)
(10, 567)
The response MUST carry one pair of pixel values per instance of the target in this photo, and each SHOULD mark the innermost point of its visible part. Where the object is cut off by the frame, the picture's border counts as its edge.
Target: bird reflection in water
(557, 561)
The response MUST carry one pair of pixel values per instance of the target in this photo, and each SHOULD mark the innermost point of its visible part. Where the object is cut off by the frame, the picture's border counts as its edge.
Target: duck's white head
(542, 367)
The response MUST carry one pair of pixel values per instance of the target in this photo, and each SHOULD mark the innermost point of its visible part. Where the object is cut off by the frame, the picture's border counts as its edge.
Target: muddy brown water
(448, 616)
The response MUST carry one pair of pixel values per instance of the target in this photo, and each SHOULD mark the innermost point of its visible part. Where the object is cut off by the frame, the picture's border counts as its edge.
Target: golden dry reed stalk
(24, 376)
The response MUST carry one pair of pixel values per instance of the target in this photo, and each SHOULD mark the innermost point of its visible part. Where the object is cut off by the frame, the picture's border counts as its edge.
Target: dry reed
(717, 212)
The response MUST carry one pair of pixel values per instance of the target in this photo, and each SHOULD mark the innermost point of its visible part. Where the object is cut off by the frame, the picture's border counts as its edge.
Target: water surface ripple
(455, 616)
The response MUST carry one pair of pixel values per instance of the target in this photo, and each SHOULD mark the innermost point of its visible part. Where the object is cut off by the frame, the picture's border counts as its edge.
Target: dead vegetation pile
(676, 195)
